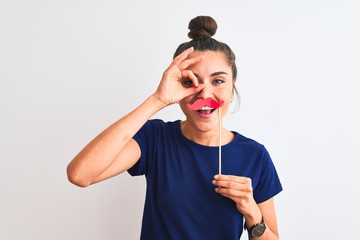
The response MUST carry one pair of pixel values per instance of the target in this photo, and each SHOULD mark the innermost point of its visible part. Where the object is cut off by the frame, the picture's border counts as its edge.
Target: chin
(205, 126)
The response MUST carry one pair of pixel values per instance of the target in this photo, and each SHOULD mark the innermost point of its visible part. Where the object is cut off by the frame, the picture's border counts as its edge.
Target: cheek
(183, 102)
(227, 98)
(225, 108)
(225, 94)
(183, 105)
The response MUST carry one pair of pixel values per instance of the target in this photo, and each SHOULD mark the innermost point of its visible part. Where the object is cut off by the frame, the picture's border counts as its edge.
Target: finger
(245, 187)
(232, 185)
(190, 92)
(188, 62)
(189, 75)
(230, 193)
(182, 56)
(240, 179)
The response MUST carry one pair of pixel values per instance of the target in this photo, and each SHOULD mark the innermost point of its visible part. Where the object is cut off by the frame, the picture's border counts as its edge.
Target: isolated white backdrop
(68, 69)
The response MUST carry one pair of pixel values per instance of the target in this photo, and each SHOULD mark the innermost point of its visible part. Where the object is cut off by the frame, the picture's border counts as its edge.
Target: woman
(186, 197)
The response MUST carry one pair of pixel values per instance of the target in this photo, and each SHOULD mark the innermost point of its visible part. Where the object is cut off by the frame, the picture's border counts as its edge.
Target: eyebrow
(218, 73)
(214, 74)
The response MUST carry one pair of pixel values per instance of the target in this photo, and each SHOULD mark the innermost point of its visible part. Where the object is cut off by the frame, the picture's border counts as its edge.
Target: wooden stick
(220, 127)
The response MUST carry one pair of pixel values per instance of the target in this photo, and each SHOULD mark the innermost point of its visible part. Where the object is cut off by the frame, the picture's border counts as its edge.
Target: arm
(114, 147)
(114, 151)
(239, 190)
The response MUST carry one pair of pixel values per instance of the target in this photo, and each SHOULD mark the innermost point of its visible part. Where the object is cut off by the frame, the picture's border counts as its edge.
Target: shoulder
(252, 151)
(161, 123)
(247, 142)
(158, 127)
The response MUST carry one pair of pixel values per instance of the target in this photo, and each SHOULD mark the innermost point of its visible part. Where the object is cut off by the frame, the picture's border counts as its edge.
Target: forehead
(212, 62)
(209, 55)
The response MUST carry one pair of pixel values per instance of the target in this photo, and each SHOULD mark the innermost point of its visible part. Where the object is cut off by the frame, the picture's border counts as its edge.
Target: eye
(187, 83)
(218, 81)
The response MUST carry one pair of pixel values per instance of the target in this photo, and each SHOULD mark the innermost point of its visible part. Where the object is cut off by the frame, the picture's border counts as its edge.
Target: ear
(234, 87)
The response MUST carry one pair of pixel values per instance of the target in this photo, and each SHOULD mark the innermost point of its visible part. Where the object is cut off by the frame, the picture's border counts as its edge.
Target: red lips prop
(200, 103)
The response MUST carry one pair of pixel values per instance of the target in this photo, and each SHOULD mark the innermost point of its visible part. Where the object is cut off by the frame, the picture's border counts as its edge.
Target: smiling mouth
(206, 110)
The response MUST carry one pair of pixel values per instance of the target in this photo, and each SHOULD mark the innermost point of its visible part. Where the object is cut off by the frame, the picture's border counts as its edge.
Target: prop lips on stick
(200, 103)
(211, 103)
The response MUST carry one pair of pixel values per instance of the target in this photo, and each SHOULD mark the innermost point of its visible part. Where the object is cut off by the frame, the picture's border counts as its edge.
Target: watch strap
(256, 230)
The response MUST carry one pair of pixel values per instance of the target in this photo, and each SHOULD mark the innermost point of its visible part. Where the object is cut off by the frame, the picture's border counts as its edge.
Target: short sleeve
(269, 183)
(142, 138)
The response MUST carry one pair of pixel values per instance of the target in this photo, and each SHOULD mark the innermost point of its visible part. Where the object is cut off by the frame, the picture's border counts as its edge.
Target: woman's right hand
(171, 88)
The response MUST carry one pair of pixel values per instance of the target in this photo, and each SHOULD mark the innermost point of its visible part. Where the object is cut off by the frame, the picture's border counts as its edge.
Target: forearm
(256, 216)
(100, 153)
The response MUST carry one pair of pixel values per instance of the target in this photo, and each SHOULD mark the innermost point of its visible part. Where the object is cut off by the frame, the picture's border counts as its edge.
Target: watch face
(258, 230)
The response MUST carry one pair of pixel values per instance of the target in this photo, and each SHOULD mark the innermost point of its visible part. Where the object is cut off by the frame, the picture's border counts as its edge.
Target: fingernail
(216, 176)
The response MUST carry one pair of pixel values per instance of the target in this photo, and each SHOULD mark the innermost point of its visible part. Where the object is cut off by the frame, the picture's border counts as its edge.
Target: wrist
(253, 217)
(156, 101)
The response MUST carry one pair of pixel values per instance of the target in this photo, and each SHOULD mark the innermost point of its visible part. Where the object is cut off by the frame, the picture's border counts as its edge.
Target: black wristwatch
(257, 230)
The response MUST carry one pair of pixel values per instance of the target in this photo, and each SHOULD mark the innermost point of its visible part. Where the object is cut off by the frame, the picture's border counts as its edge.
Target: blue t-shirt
(181, 202)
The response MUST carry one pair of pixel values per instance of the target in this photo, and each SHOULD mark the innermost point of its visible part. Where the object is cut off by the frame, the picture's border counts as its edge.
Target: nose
(206, 91)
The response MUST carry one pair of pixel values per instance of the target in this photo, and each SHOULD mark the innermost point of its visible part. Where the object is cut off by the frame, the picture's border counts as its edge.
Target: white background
(68, 69)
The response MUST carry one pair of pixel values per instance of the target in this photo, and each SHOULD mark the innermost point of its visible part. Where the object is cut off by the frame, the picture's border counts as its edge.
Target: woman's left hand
(239, 189)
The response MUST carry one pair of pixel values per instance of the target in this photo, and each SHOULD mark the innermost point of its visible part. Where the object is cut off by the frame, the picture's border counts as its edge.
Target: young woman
(186, 197)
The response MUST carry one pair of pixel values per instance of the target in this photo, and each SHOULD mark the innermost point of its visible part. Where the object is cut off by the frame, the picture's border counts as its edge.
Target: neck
(204, 136)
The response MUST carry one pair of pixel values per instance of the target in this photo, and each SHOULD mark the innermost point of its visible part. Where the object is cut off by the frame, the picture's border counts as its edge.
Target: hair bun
(202, 26)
